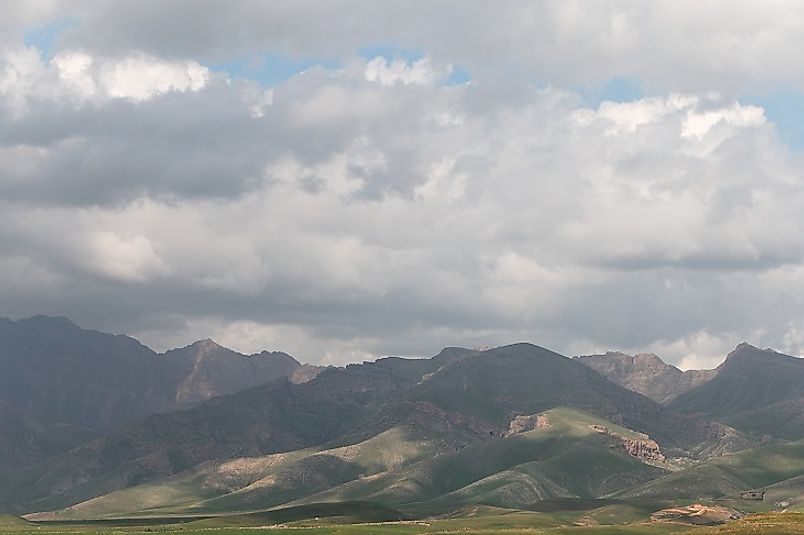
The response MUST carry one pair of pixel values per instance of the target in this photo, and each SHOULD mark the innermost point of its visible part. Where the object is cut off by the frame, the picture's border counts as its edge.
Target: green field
(351, 519)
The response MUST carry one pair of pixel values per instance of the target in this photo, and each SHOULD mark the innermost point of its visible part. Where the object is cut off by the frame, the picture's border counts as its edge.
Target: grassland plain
(485, 521)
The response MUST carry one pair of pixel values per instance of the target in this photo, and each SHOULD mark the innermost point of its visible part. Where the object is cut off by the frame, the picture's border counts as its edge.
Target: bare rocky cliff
(642, 447)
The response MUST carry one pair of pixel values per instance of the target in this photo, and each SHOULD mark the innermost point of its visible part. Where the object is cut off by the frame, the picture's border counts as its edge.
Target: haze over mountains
(57, 372)
(95, 425)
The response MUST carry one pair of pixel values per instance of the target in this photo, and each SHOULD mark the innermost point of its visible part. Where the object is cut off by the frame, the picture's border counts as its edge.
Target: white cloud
(127, 258)
(141, 77)
(399, 71)
(26, 79)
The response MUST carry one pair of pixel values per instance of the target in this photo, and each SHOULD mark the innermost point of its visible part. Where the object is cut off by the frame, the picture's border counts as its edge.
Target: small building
(755, 495)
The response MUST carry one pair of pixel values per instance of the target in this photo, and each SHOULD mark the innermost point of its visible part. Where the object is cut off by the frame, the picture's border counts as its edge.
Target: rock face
(643, 448)
(307, 372)
(531, 422)
(204, 370)
(646, 374)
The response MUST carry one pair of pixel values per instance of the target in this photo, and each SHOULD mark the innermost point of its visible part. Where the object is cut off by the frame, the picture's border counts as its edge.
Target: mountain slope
(277, 417)
(727, 476)
(25, 441)
(246, 484)
(513, 471)
(55, 371)
(498, 384)
(759, 391)
(473, 396)
(451, 466)
(204, 370)
(646, 374)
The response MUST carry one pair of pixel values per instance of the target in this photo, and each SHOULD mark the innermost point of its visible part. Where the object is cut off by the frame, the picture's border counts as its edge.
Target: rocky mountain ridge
(57, 372)
(647, 374)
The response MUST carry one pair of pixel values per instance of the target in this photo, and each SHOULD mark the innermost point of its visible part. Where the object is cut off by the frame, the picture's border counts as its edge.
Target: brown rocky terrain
(531, 422)
(643, 447)
(697, 514)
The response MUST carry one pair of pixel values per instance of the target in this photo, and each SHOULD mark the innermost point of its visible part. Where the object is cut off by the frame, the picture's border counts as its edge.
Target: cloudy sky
(343, 180)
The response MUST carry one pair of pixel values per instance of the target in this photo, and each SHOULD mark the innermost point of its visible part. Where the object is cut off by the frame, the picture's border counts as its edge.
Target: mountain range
(94, 425)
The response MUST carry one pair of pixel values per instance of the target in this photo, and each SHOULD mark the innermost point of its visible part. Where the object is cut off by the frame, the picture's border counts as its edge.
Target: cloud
(125, 258)
(72, 76)
(390, 72)
(669, 45)
(371, 208)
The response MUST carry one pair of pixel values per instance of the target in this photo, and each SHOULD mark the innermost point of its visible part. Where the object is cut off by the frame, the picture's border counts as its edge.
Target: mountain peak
(743, 346)
(207, 344)
(746, 357)
(645, 373)
(41, 320)
(278, 355)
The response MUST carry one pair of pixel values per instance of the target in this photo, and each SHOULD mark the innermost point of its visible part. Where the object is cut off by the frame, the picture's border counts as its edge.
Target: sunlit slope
(568, 458)
(273, 418)
(256, 483)
(727, 476)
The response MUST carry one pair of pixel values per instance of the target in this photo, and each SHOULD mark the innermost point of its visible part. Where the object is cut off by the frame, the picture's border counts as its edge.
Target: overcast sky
(342, 180)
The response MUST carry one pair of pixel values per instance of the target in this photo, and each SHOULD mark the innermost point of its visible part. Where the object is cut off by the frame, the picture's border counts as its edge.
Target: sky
(343, 180)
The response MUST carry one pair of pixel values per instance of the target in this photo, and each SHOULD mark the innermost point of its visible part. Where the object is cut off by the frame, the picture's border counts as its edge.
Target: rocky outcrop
(647, 450)
(531, 422)
(643, 448)
(306, 373)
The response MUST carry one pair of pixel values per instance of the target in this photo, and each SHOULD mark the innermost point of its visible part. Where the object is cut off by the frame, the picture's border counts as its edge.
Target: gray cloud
(669, 45)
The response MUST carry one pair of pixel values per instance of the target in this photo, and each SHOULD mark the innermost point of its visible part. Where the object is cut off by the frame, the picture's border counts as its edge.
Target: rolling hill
(442, 464)
(775, 466)
(552, 461)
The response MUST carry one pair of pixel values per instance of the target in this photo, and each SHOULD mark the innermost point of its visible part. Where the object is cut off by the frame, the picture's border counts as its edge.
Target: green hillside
(566, 459)
(727, 476)
(437, 466)
(255, 483)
